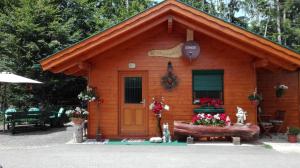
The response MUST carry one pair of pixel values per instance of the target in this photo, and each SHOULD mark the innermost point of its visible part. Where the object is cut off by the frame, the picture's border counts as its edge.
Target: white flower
(69, 112)
(151, 106)
(202, 115)
(78, 109)
(166, 107)
(85, 113)
(217, 116)
(283, 87)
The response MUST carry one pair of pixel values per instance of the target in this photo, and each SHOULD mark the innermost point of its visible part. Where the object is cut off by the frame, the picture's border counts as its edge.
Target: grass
(267, 146)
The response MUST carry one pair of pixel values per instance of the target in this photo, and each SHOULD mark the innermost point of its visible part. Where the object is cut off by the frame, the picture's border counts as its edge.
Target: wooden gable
(74, 60)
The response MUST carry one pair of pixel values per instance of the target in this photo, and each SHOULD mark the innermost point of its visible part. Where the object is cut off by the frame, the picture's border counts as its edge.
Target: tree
(31, 30)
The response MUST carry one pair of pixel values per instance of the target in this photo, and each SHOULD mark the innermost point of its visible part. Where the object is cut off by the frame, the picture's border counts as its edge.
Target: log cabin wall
(239, 77)
(289, 102)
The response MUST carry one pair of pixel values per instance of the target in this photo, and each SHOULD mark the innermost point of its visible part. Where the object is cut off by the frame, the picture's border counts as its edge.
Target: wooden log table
(245, 132)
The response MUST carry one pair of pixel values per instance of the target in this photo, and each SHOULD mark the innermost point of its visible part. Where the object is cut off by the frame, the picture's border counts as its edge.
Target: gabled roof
(71, 60)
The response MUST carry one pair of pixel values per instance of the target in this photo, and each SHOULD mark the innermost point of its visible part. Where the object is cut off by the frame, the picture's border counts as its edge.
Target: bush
(293, 131)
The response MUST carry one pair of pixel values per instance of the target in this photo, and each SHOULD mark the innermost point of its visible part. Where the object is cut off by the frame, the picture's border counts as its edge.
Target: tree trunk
(278, 23)
(127, 4)
(284, 21)
(266, 28)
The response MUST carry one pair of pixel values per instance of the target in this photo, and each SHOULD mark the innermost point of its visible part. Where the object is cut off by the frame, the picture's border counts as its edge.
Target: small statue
(241, 115)
(166, 133)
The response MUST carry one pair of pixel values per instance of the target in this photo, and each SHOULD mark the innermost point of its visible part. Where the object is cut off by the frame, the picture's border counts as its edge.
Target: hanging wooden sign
(174, 52)
(191, 50)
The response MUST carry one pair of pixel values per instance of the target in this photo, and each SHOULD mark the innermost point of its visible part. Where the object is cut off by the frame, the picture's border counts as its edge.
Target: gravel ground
(45, 149)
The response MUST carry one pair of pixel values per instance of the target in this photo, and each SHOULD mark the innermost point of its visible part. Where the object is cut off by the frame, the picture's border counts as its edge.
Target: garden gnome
(241, 115)
(166, 133)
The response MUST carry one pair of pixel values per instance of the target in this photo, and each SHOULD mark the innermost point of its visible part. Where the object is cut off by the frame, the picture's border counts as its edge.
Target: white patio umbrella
(7, 77)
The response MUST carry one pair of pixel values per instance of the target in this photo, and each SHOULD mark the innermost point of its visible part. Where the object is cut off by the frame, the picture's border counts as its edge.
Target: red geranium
(158, 106)
(206, 101)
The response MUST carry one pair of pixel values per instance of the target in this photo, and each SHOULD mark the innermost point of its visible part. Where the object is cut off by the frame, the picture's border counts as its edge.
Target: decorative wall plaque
(174, 52)
(191, 50)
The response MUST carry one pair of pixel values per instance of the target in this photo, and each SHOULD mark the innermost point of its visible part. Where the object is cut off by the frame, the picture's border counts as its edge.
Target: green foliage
(34, 29)
(293, 131)
(259, 16)
(31, 30)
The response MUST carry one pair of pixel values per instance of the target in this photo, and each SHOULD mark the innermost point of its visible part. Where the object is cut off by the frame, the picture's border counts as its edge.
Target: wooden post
(236, 140)
(170, 24)
(189, 35)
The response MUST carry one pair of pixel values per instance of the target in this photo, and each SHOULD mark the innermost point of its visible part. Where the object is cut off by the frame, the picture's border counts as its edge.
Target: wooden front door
(133, 116)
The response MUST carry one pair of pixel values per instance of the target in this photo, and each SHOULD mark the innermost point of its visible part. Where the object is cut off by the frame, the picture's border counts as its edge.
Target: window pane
(208, 84)
(133, 89)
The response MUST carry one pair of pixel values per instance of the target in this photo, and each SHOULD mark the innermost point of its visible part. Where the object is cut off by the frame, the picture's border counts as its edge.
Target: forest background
(31, 30)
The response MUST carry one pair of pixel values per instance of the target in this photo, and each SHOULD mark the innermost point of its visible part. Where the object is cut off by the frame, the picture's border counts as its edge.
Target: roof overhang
(70, 60)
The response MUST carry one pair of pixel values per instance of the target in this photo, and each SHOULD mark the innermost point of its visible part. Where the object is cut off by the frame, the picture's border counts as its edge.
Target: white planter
(298, 137)
(78, 133)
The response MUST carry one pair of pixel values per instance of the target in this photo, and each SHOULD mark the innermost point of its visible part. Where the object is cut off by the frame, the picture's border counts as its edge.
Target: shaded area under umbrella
(7, 77)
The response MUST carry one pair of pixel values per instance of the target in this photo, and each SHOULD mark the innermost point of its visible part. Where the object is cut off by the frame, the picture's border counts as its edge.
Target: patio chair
(57, 118)
(278, 120)
(264, 123)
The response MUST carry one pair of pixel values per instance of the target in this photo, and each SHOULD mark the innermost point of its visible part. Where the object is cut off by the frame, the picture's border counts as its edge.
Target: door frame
(132, 72)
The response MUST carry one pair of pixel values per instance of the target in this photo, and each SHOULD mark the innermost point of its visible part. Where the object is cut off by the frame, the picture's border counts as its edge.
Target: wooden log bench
(243, 132)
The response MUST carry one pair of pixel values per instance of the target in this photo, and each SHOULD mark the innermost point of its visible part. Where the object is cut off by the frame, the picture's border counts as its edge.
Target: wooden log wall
(239, 77)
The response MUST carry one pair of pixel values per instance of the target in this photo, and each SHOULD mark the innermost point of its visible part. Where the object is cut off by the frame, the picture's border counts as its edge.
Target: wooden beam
(72, 70)
(170, 24)
(189, 35)
(261, 63)
(272, 68)
(84, 66)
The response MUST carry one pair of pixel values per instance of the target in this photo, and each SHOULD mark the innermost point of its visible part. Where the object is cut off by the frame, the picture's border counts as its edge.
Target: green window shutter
(208, 80)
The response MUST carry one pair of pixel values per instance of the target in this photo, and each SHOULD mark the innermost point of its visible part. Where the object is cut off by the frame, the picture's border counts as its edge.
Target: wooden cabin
(126, 63)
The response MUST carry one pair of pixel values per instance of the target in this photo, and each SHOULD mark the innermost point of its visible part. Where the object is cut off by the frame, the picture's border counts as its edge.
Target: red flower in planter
(158, 106)
(223, 117)
(206, 101)
(195, 118)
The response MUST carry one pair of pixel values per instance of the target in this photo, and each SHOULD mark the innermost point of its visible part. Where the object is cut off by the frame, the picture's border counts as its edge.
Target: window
(208, 84)
(133, 89)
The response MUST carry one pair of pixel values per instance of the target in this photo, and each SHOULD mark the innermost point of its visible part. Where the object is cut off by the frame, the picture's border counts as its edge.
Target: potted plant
(78, 116)
(292, 134)
(280, 89)
(157, 107)
(255, 98)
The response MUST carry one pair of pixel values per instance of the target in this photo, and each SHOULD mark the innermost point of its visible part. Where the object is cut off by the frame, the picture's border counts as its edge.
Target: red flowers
(206, 101)
(223, 117)
(158, 106)
(208, 119)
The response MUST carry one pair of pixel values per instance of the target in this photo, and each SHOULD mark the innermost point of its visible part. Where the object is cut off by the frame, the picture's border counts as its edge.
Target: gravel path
(34, 137)
(48, 149)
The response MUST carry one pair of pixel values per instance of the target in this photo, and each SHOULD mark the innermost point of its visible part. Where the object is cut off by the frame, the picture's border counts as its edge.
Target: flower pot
(77, 121)
(292, 138)
(255, 102)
